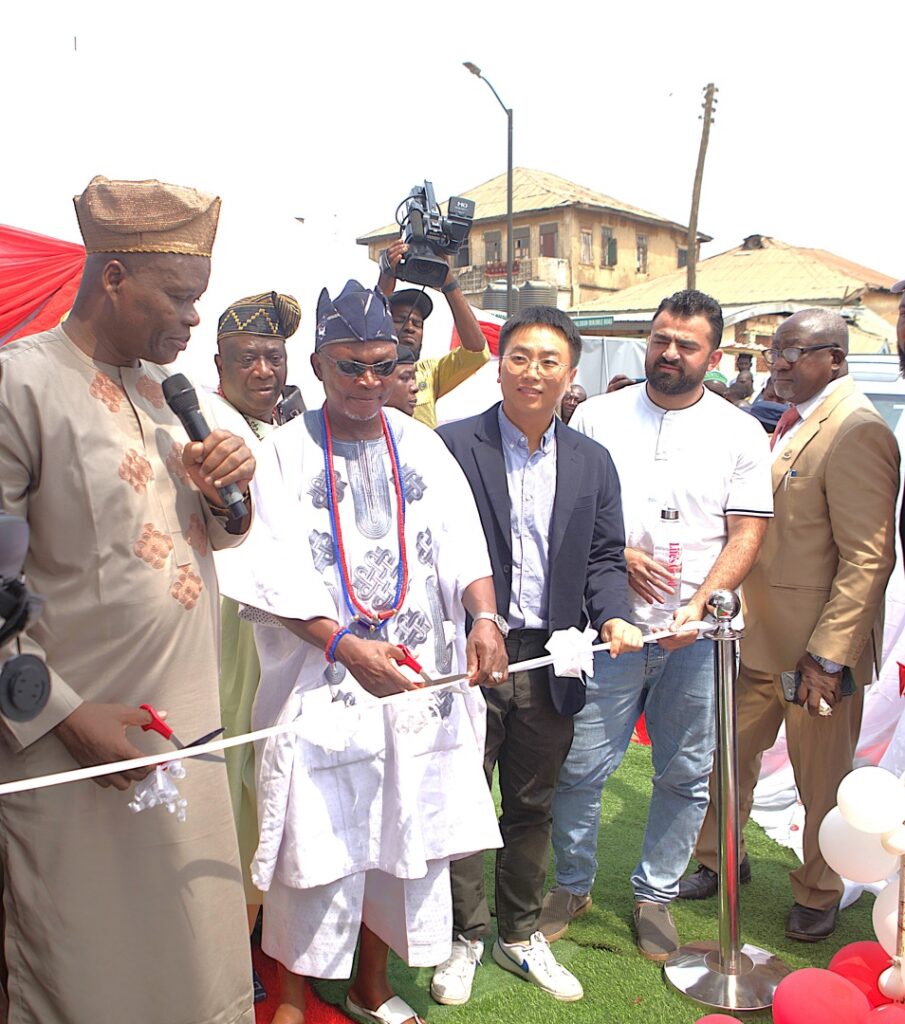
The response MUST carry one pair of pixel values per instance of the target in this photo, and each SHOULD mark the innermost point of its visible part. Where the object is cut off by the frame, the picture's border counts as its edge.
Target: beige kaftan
(114, 916)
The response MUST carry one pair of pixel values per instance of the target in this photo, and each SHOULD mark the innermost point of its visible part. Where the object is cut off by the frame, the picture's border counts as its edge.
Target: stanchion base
(695, 971)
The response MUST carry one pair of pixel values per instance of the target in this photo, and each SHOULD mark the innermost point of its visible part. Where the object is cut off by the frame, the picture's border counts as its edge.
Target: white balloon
(872, 799)
(855, 855)
(894, 841)
(886, 917)
(892, 984)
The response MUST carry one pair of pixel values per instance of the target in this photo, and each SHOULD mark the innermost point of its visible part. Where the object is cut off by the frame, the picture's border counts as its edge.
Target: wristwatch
(827, 664)
(501, 624)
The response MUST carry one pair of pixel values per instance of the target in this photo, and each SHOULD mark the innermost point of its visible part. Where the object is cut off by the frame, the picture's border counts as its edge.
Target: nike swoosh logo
(522, 966)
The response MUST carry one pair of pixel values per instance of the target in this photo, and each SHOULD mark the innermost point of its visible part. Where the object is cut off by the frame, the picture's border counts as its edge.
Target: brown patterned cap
(146, 216)
(268, 314)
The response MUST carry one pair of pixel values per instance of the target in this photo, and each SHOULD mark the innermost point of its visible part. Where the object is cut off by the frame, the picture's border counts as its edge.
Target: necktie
(788, 419)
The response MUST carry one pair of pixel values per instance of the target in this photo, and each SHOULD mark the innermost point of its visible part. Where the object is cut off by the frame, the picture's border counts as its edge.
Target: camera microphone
(24, 679)
(183, 401)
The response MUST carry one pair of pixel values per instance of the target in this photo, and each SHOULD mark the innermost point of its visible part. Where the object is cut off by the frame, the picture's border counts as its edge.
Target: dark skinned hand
(815, 683)
(219, 460)
(487, 662)
(96, 734)
(372, 662)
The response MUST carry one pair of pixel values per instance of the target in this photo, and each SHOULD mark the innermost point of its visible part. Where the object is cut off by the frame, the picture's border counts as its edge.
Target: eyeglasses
(353, 368)
(547, 367)
(793, 353)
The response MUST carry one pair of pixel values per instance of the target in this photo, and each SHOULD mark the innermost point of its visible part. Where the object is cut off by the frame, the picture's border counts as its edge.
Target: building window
(549, 240)
(521, 243)
(641, 254)
(463, 256)
(682, 260)
(493, 246)
(586, 249)
(608, 251)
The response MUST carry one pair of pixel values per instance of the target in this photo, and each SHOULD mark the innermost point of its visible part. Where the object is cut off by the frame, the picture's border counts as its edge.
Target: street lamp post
(475, 70)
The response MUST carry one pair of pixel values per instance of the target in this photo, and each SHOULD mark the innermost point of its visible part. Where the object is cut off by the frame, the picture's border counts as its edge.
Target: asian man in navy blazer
(550, 506)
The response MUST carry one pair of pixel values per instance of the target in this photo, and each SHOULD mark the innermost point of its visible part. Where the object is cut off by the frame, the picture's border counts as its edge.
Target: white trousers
(314, 932)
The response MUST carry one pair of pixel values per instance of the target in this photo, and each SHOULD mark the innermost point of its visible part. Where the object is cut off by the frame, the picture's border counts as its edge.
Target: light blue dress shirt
(531, 480)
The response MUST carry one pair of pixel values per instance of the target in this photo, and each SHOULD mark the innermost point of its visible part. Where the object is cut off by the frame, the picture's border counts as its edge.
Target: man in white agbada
(367, 539)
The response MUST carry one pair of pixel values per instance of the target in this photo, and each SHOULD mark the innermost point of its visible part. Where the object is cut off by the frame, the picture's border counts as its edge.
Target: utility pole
(692, 245)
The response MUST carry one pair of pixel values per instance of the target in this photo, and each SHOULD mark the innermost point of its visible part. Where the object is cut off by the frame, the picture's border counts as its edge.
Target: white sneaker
(452, 981)
(536, 963)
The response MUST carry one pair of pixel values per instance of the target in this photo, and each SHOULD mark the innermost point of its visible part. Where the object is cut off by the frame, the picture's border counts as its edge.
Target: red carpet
(640, 733)
(316, 1011)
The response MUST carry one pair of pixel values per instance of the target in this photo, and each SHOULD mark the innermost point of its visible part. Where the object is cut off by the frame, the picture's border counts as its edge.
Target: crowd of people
(378, 556)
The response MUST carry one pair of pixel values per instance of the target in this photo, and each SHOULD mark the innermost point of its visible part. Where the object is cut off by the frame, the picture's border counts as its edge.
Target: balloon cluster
(863, 838)
(845, 994)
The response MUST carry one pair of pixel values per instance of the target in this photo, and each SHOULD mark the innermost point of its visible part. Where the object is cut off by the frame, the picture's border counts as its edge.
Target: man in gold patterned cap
(112, 916)
(251, 363)
(251, 355)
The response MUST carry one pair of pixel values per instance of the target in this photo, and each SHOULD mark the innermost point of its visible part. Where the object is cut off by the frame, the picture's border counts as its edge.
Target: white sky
(332, 111)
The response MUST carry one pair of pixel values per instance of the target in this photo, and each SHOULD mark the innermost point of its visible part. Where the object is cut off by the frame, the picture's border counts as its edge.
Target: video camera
(24, 679)
(428, 234)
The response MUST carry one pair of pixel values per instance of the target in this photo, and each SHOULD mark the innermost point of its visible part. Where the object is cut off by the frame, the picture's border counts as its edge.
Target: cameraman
(410, 308)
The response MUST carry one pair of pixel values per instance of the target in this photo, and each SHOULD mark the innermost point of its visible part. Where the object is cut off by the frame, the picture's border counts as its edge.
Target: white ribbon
(570, 651)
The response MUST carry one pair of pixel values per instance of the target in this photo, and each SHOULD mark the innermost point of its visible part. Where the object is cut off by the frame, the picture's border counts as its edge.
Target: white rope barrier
(183, 754)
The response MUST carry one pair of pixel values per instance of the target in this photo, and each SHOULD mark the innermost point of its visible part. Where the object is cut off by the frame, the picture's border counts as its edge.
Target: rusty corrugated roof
(762, 269)
(534, 191)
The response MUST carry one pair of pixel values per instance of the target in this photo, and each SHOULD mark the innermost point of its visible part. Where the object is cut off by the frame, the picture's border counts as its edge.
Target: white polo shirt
(709, 461)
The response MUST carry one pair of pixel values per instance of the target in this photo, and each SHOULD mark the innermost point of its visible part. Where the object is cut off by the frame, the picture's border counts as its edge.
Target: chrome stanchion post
(726, 974)
(726, 761)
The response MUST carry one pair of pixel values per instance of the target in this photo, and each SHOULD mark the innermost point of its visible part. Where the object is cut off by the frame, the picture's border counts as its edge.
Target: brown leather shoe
(809, 924)
(704, 883)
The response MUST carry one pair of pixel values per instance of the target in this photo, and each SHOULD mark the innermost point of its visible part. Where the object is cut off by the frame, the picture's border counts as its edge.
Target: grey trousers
(528, 740)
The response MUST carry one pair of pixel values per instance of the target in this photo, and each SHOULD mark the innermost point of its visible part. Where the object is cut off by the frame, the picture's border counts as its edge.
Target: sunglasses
(353, 368)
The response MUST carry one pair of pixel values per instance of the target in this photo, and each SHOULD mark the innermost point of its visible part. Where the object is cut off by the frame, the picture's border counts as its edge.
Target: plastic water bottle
(668, 551)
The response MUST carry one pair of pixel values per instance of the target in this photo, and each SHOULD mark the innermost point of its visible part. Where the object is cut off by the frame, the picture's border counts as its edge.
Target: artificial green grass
(620, 986)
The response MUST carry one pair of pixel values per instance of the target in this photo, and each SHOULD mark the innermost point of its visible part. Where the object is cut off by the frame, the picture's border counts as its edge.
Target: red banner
(39, 277)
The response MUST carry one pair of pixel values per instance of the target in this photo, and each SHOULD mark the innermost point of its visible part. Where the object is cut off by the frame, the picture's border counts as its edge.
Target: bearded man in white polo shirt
(675, 445)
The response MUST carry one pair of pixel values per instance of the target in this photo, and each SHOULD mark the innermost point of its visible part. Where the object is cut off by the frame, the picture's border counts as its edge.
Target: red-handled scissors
(158, 725)
(410, 661)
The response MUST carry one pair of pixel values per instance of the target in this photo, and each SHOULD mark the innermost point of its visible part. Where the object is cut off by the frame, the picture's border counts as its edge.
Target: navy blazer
(588, 578)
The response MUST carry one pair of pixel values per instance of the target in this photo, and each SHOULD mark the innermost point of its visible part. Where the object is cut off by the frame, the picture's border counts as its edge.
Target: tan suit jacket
(820, 577)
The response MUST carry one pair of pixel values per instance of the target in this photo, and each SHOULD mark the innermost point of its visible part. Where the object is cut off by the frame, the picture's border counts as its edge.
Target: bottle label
(674, 557)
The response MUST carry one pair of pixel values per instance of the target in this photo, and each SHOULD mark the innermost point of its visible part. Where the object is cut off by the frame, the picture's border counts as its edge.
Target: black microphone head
(180, 395)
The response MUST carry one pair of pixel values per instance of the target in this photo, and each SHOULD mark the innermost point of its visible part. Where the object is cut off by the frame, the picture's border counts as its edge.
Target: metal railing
(476, 278)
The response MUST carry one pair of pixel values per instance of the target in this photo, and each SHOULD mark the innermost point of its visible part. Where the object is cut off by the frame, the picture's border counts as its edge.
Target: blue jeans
(676, 692)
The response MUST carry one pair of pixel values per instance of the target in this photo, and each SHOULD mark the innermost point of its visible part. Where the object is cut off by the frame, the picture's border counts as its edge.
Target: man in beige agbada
(113, 916)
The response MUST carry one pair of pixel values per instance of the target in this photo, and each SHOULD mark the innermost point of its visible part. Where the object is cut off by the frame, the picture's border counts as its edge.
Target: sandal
(394, 1011)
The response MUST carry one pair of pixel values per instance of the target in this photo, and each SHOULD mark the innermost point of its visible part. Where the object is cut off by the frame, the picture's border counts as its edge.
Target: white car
(879, 377)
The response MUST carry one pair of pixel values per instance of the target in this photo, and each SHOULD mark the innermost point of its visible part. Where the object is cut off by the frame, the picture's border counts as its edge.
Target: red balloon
(717, 1018)
(891, 1013)
(814, 996)
(862, 963)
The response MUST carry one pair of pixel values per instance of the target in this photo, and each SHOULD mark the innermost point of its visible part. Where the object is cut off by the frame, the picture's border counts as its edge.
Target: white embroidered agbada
(407, 791)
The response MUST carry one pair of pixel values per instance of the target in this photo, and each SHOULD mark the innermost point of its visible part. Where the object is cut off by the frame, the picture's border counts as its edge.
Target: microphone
(183, 401)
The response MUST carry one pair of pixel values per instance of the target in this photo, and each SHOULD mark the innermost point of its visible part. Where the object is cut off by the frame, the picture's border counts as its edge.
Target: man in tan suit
(814, 599)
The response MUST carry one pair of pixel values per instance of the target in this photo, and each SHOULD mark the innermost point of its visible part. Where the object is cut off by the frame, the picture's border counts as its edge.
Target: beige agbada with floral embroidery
(120, 548)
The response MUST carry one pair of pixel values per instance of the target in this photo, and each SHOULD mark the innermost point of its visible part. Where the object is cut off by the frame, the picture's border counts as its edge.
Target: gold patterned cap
(146, 216)
(269, 314)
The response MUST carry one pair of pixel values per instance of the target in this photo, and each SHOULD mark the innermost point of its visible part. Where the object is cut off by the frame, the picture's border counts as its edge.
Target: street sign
(592, 321)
